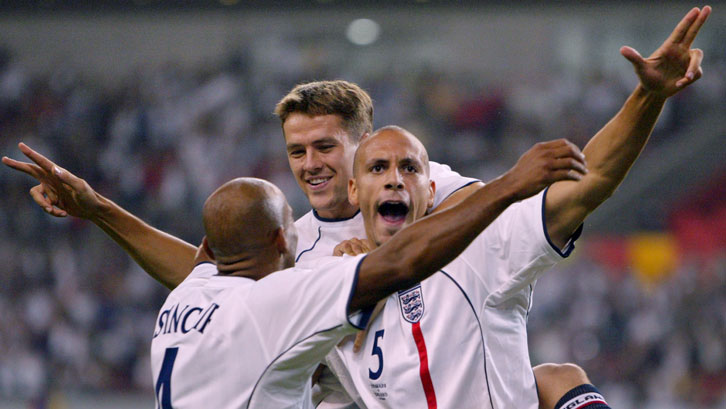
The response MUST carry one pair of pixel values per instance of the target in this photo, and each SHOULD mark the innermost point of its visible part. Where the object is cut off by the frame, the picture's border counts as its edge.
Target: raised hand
(544, 164)
(674, 65)
(59, 193)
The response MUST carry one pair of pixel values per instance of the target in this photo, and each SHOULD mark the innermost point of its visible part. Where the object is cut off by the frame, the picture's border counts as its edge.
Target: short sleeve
(515, 249)
(447, 181)
(305, 301)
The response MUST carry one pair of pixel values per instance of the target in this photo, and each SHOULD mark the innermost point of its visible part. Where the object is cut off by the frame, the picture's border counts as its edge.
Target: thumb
(632, 55)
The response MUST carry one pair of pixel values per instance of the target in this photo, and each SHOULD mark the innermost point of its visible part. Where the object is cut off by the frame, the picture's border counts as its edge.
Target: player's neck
(342, 211)
(254, 265)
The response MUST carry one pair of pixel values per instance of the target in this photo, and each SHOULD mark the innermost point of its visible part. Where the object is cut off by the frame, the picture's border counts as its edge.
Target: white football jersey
(233, 342)
(318, 236)
(458, 339)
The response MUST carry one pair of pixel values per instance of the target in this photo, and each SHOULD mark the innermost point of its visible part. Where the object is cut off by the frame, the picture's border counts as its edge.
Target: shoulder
(447, 181)
(321, 264)
(200, 275)
(305, 220)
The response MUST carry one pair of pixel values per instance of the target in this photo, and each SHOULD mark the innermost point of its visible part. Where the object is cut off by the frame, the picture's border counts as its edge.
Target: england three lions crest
(412, 305)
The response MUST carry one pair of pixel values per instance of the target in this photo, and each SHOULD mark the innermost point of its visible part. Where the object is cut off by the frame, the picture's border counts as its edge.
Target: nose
(394, 181)
(312, 161)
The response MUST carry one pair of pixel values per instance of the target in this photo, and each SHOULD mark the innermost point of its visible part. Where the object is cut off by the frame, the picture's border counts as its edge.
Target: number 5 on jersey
(377, 351)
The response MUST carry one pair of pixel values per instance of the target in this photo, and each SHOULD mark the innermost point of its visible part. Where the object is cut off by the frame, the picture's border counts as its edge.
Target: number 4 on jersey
(164, 380)
(377, 351)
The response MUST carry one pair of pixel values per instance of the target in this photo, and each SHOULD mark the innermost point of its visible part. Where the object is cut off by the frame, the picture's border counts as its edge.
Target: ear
(204, 253)
(365, 135)
(207, 249)
(432, 195)
(280, 240)
(353, 193)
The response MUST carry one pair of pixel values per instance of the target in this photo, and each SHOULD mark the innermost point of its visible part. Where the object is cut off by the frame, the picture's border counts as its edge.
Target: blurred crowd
(644, 346)
(77, 314)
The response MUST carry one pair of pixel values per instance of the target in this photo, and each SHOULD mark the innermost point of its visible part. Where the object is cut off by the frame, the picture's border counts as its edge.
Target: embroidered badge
(412, 305)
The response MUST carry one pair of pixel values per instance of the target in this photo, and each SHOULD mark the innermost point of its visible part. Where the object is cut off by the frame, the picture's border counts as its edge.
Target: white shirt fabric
(459, 339)
(318, 236)
(232, 342)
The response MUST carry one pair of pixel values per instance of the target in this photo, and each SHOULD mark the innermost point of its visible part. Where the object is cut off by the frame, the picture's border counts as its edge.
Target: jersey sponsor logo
(412, 304)
(583, 400)
(174, 319)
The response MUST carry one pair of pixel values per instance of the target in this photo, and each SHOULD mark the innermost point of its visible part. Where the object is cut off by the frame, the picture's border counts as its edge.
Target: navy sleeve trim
(461, 187)
(570, 246)
(204, 262)
(365, 313)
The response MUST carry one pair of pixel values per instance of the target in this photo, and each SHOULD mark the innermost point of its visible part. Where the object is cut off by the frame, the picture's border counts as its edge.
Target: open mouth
(393, 212)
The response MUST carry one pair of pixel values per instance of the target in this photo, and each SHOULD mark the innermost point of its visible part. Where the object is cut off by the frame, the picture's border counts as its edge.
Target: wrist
(506, 189)
(648, 96)
(102, 212)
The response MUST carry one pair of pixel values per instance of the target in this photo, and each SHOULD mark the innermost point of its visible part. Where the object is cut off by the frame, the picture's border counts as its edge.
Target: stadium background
(156, 103)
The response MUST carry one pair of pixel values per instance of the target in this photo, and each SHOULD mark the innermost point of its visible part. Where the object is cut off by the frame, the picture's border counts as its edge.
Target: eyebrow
(410, 161)
(403, 162)
(323, 140)
(374, 162)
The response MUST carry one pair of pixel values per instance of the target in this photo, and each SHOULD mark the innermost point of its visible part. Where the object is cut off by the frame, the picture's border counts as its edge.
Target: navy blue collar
(329, 220)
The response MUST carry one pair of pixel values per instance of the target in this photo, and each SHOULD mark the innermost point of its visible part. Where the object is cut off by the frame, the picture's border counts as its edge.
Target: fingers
(41, 160)
(694, 71)
(359, 247)
(697, 24)
(367, 245)
(44, 168)
(352, 247)
(569, 150)
(578, 167)
(680, 32)
(563, 161)
(565, 174)
(27, 168)
(562, 148)
(39, 196)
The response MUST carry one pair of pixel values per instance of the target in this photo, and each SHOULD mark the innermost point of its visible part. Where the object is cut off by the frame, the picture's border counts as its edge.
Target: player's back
(205, 349)
(232, 342)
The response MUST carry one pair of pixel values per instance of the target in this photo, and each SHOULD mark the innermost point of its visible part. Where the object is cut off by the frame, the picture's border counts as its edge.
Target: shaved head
(391, 184)
(387, 134)
(243, 217)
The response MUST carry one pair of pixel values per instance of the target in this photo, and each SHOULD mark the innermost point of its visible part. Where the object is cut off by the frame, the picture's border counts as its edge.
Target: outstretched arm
(614, 149)
(60, 193)
(429, 244)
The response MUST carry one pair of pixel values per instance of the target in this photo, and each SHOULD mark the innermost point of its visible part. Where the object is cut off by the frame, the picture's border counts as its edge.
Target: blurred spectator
(78, 314)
